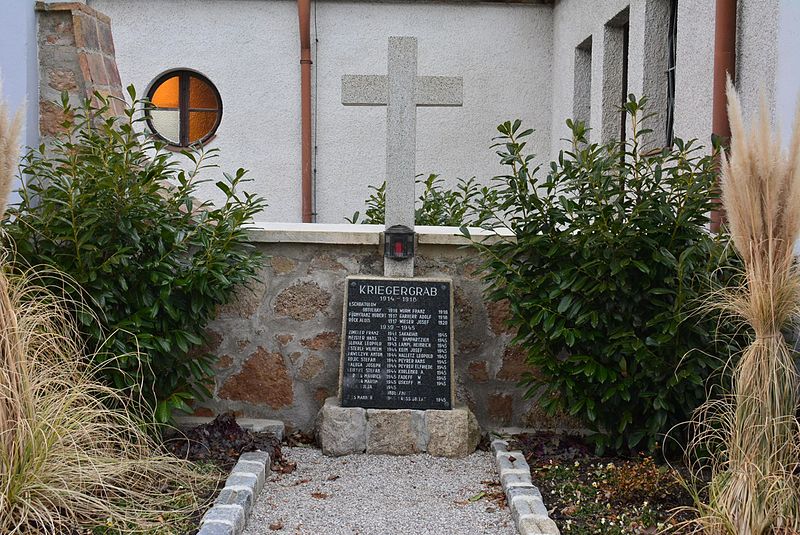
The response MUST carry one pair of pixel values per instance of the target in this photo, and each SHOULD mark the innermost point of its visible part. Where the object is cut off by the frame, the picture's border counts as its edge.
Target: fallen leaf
(302, 481)
(477, 496)
(287, 468)
(570, 510)
(319, 495)
(333, 478)
(276, 526)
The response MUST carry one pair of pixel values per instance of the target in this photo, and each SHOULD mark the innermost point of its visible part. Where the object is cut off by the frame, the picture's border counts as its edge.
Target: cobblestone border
(524, 499)
(231, 509)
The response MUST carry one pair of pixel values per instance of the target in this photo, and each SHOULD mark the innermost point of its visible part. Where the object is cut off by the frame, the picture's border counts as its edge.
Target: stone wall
(76, 55)
(279, 343)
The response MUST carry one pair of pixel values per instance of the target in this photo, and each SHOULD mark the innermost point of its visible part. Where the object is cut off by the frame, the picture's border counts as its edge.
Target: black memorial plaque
(397, 346)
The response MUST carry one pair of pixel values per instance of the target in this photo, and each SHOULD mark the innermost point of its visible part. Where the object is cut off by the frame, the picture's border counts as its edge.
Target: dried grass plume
(752, 435)
(10, 131)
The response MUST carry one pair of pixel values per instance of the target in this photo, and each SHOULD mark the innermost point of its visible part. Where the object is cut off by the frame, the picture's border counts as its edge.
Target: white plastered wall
(757, 57)
(503, 52)
(757, 52)
(517, 61)
(575, 20)
(250, 50)
(19, 67)
(787, 75)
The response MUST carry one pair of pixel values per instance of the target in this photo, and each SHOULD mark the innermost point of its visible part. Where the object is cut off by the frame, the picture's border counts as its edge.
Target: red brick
(97, 69)
(320, 395)
(51, 115)
(224, 362)
(106, 38)
(514, 365)
(112, 71)
(263, 380)
(59, 31)
(312, 367)
(501, 409)
(324, 340)
(499, 312)
(478, 371)
(85, 31)
(62, 80)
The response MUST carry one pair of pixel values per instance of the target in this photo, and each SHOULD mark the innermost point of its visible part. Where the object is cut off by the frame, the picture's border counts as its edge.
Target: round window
(185, 108)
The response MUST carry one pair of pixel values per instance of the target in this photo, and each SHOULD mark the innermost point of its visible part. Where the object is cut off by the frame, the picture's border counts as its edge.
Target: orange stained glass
(201, 95)
(166, 95)
(200, 124)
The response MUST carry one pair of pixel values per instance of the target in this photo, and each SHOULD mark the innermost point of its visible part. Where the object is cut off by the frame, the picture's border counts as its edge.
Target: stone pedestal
(443, 433)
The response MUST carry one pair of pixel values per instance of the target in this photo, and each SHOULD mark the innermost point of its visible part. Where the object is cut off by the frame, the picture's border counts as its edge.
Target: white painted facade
(250, 50)
(516, 60)
(18, 65)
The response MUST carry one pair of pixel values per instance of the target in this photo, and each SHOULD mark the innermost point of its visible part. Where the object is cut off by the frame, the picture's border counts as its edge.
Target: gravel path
(382, 495)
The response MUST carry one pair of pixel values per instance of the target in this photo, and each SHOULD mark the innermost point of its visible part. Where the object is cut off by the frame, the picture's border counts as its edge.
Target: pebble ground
(382, 495)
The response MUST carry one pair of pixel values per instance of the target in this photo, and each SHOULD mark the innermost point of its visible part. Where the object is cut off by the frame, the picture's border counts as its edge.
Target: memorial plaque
(397, 346)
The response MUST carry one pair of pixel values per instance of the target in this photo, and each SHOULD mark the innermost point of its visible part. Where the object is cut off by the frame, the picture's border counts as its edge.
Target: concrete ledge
(524, 499)
(255, 425)
(231, 509)
(346, 234)
(349, 430)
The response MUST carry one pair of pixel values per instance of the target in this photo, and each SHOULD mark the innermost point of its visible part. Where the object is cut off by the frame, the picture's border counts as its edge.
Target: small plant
(752, 435)
(609, 260)
(110, 206)
(436, 206)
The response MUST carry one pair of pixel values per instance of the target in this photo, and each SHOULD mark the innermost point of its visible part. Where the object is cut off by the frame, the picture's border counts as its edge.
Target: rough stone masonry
(279, 343)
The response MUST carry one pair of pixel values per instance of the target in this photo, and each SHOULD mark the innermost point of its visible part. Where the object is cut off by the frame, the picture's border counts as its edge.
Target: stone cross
(401, 91)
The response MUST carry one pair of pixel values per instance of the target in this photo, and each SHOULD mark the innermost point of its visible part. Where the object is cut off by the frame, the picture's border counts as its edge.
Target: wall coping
(79, 5)
(347, 234)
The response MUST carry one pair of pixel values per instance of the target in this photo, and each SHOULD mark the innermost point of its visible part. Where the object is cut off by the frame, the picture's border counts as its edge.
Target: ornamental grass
(68, 461)
(751, 436)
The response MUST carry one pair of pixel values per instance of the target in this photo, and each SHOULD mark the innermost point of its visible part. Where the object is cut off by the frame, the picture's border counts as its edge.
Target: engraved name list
(397, 344)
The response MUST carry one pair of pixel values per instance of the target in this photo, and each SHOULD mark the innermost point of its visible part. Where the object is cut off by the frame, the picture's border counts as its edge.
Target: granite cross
(401, 91)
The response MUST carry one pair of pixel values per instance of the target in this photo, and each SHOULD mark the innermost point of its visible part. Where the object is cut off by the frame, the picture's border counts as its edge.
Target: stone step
(256, 425)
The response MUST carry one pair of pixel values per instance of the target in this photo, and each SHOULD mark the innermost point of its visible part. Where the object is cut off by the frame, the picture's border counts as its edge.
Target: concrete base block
(453, 433)
(396, 432)
(346, 430)
(341, 430)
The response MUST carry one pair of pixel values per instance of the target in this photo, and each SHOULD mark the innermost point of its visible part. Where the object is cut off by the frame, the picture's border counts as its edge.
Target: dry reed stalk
(70, 461)
(752, 435)
(12, 378)
(10, 130)
(67, 460)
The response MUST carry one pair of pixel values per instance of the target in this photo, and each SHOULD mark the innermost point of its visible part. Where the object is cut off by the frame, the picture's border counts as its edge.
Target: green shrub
(436, 206)
(111, 207)
(611, 260)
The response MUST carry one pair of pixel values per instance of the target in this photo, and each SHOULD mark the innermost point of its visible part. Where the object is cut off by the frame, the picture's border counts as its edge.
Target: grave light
(398, 242)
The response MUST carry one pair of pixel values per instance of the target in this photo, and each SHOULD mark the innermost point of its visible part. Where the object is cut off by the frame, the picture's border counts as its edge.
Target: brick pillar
(76, 54)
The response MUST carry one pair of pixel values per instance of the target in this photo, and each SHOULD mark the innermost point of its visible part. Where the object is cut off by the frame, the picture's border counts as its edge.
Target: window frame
(672, 63)
(183, 107)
